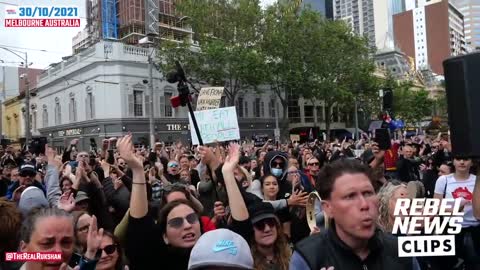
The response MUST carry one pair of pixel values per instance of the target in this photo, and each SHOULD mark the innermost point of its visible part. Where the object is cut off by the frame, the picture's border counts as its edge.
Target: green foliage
(228, 32)
(411, 105)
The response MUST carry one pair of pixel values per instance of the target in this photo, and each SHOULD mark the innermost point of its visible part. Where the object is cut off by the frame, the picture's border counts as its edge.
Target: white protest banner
(216, 125)
(209, 98)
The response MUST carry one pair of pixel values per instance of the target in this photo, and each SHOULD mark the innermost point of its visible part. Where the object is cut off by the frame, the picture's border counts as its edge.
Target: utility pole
(3, 99)
(27, 104)
(150, 88)
(356, 120)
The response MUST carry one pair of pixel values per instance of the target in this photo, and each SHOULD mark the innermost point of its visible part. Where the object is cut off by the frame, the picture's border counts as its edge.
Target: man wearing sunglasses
(26, 179)
(276, 164)
(173, 171)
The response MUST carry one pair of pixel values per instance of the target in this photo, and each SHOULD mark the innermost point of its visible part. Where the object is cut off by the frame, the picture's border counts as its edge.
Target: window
(273, 108)
(256, 108)
(335, 114)
(168, 105)
(34, 120)
(72, 109)
(137, 103)
(90, 106)
(239, 106)
(58, 112)
(45, 116)
(246, 109)
(320, 114)
(293, 108)
(262, 109)
(308, 114)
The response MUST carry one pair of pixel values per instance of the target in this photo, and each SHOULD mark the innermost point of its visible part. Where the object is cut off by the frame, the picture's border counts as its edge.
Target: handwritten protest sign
(209, 98)
(216, 125)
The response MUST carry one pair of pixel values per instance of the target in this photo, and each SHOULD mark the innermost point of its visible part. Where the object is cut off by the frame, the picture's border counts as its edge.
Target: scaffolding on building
(109, 16)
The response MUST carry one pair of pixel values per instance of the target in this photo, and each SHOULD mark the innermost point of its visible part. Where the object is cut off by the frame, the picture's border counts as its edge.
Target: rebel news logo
(427, 227)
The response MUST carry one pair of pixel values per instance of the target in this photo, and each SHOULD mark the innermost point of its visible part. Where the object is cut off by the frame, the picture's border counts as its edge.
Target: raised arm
(235, 200)
(138, 200)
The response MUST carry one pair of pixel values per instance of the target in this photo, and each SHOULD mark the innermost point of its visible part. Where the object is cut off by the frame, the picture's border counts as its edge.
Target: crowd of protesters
(230, 206)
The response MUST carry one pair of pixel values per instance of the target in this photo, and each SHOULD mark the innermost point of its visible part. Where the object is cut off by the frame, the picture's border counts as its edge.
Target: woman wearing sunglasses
(269, 245)
(170, 241)
(109, 253)
(270, 249)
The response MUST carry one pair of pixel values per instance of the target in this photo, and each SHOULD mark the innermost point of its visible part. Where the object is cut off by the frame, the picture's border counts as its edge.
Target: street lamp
(27, 92)
(148, 40)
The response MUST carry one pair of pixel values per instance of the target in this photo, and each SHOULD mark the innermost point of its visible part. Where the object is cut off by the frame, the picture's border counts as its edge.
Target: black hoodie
(284, 186)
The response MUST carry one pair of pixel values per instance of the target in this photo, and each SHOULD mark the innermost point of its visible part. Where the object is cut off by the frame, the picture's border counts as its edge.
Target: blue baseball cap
(222, 248)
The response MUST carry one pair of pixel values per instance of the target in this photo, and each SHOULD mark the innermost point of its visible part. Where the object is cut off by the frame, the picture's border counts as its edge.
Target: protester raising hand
(235, 200)
(231, 161)
(126, 150)
(138, 199)
(66, 202)
(94, 239)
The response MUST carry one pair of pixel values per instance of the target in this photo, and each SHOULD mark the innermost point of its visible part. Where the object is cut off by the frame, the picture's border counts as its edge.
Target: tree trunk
(328, 119)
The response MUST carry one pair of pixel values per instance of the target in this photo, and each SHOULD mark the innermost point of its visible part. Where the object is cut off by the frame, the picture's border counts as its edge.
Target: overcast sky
(57, 42)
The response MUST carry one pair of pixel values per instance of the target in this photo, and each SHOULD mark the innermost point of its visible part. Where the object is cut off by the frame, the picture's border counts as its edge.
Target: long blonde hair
(384, 196)
(281, 249)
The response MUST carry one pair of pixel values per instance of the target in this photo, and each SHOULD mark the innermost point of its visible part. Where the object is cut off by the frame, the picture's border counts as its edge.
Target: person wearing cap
(269, 244)
(82, 201)
(27, 175)
(32, 197)
(220, 249)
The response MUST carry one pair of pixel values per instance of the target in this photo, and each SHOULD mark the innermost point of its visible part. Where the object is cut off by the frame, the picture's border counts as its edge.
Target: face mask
(277, 172)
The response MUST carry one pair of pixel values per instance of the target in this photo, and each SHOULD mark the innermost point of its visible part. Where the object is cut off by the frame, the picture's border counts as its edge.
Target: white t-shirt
(459, 189)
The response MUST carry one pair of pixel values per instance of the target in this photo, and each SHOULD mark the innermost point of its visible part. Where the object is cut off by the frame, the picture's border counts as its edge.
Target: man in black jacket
(352, 241)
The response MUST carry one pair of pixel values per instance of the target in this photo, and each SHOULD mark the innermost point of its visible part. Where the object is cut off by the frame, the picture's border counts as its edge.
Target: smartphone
(74, 260)
(382, 137)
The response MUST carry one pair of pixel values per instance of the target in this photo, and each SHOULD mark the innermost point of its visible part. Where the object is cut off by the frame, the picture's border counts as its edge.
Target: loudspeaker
(387, 100)
(462, 82)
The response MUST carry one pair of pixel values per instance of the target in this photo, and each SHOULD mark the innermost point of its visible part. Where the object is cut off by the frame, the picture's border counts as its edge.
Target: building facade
(471, 12)
(369, 18)
(325, 7)
(430, 34)
(14, 120)
(101, 93)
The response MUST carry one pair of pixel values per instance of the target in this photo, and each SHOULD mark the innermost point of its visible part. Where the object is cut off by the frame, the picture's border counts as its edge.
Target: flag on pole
(310, 135)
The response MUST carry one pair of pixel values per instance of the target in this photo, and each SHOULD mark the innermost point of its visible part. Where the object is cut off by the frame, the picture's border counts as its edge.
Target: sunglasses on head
(109, 249)
(260, 225)
(177, 222)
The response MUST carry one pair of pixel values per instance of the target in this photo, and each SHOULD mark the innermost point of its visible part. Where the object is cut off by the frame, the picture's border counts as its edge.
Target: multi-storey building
(101, 92)
(430, 34)
(368, 18)
(471, 12)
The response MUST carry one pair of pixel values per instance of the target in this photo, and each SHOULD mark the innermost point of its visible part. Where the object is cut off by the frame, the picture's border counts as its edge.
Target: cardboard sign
(209, 98)
(294, 137)
(216, 125)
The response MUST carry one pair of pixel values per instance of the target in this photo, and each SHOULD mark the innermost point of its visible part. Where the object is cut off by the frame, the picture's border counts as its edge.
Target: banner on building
(209, 98)
(216, 125)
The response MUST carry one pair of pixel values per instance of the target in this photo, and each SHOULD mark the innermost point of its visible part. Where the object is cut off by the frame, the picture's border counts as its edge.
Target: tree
(411, 105)
(341, 67)
(228, 32)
